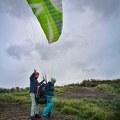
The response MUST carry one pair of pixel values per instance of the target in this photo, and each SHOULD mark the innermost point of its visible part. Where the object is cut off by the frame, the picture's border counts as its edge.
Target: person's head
(53, 80)
(36, 74)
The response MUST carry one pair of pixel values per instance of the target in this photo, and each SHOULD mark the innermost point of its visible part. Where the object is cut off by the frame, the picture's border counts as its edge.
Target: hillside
(72, 102)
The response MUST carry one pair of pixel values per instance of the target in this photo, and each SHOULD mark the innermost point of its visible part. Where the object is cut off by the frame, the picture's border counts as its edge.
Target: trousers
(48, 109)
(34, 105)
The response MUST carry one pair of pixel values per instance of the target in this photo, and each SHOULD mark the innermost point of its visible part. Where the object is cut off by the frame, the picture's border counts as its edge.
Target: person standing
(50, 93)
(34, 105)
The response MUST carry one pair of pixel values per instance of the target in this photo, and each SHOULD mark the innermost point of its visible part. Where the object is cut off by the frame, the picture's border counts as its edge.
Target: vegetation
(88, 108)
(85, 108)
(93, 82)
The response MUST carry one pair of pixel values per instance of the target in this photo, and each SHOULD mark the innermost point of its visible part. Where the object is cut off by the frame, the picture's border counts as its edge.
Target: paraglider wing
(49, 15)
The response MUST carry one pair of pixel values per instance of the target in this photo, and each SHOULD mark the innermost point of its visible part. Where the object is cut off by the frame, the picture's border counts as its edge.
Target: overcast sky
(88, 48)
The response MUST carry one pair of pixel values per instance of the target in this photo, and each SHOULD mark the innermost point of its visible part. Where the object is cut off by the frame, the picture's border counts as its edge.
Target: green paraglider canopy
(49, 15)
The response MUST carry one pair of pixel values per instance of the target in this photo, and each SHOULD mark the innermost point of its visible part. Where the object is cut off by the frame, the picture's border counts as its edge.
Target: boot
(49, 114)
(37, 116)
(33, 118)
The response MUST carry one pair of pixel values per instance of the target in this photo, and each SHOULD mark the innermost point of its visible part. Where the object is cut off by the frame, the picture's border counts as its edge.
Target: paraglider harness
(40, 94)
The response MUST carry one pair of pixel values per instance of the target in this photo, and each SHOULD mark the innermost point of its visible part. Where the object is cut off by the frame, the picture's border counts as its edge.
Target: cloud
(106, 8)
(18, 51)
(16, 8)
(15, 51)
(88, 46)
(61, 48)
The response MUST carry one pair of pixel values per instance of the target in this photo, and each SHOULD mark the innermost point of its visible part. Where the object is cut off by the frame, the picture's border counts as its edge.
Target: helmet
(53, 79)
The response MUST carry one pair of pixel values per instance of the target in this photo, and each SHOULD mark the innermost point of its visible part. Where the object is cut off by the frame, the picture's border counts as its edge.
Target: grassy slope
(86, 108)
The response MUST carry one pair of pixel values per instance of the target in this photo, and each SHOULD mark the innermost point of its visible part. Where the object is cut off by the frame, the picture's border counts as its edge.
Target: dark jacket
(50, 89)
(34, 83)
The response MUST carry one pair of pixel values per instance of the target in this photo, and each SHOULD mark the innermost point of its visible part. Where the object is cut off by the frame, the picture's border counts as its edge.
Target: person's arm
(32, 77)
(42, 81)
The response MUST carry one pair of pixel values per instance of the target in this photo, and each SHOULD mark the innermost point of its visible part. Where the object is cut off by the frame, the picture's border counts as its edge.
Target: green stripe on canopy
(49, 15)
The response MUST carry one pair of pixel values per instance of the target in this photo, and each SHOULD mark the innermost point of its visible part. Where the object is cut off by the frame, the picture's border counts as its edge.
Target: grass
(95, 109)
(15, 97)
(85, 108)
(63, 89)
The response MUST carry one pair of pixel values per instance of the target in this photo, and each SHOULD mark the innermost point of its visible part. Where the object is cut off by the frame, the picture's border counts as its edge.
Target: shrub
(106, 88)
(6, 97)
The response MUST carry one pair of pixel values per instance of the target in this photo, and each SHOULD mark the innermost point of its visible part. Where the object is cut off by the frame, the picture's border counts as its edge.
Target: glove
(45, 79)
(34, 70)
